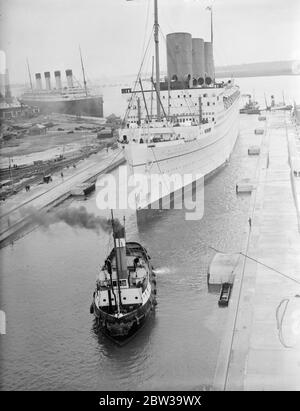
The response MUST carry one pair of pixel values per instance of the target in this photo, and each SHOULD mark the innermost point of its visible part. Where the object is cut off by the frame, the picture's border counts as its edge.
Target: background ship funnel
(7, 90)
(38, 79)
(198, 61)
(209, 63)
(47, 80)
(179, 57)
(69, 75)
(58, 80)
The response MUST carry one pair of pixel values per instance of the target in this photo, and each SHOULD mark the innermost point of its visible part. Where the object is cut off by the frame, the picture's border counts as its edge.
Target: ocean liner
(71, 99)
(125, 291)
(194, 124)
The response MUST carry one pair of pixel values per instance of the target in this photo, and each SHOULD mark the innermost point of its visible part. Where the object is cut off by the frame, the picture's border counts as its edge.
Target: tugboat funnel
(121, 253)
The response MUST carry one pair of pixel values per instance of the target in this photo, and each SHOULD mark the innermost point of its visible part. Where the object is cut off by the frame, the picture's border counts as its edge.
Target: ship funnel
(38, 79)
(179, 57)
(209, 63)
(121, 252)
(69, 75)
(58, 80)
(47, 80)
(7, 85)
(198, 61)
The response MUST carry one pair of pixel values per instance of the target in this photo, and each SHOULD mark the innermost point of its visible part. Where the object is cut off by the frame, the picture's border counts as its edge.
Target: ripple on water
(49, 276)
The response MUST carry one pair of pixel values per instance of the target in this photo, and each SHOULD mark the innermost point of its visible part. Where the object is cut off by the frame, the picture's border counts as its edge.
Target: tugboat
(251, 107)
(125, 291)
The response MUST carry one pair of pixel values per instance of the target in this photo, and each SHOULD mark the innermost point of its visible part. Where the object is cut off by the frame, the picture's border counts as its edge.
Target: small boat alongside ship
(251, 107)
(125, 293)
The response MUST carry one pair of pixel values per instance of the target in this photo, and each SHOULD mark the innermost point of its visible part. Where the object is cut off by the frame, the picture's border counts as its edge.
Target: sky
(112, 33)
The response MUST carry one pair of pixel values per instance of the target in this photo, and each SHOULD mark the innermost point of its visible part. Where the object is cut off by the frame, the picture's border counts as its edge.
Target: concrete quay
(261, 346)
(13, 218)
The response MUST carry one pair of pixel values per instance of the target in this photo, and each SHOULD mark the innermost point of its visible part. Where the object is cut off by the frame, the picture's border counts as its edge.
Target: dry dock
(261, 346)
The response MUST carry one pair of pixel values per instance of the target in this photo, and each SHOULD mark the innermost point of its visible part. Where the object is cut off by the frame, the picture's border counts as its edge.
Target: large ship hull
(200, 156)
(89, 106)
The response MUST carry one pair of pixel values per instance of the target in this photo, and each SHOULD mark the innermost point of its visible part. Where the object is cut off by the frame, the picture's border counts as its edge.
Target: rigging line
(137, 78)
(182, 91)
(146, 26)
(77, 81)
(120, 151)
(157, 163)
(193, 114)
(270, 268)
(146, 74)
(166, 23)
(164, 37)
(168, 121)
(143, 60)
(253, 259)
(250, 258)
(133, 92)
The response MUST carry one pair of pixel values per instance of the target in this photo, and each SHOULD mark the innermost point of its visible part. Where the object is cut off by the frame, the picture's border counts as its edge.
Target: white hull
(199, 151)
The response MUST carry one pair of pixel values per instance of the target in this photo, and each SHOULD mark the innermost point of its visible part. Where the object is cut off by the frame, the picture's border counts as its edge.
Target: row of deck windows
(196, 104)
(205, 113)
(180, 120)
(185, 96)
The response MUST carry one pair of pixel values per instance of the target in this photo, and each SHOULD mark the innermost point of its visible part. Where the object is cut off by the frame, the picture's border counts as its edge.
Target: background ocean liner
(72, 99)
(195, 125)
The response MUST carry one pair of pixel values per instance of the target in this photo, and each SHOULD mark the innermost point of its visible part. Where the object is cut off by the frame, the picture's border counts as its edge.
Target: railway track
(21, 221)
(33, 174)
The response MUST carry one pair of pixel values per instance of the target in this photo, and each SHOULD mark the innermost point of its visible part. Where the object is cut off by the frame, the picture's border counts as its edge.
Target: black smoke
(73, 217)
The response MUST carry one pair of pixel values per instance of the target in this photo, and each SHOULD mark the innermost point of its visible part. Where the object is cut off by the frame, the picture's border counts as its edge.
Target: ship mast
(210, 8)
(29, 74)
(83, 73)
(117, 262)
(156, 40)
(211, 26)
